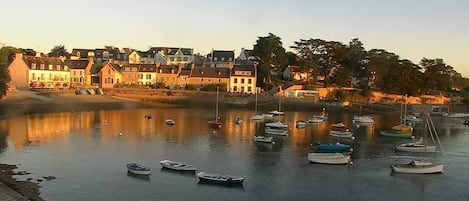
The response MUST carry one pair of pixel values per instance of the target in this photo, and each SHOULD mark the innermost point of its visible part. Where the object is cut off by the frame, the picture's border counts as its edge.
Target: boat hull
(418, 149)
(177, 166)
(273, 131)
(219, 179)
(329, 158)
(138, 169)
(409, 169)
(263, 139)
(396, 134)
(346, 134)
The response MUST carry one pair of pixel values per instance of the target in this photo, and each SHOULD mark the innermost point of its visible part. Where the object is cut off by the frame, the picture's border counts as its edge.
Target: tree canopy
(272, 54)
(59, 50)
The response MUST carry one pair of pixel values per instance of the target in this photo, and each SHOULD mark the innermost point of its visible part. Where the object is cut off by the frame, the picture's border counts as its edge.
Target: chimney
(38, 54)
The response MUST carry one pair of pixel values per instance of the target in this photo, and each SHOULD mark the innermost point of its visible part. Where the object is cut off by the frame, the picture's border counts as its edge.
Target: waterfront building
(246, 57)
(147, 74)
(243, 79)
(169, 75)
(77, 71)
(36, 72)
(202, 76)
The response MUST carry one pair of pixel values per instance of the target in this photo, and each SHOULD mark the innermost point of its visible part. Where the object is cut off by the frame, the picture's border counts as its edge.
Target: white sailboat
(420, 165)
(279, 111)
(256, 115)
(329, 158)
(359, 119)
(216, 123)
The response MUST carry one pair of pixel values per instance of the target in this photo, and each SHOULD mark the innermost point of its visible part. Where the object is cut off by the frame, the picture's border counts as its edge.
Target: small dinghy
(172, 165)
(218, 178)
(138, 169)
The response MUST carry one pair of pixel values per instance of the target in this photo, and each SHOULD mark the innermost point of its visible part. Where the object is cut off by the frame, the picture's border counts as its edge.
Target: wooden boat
(215, 124)
(218, 178)
(276, 128)
(139, 169)
(341, 131)
(264, 139)
(169, 121)
(177, 166)
(417, 167)
(395, 133)
(329, 158)
(418, 146)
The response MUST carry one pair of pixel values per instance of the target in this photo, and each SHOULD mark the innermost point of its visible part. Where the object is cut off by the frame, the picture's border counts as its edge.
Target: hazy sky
(412, 29)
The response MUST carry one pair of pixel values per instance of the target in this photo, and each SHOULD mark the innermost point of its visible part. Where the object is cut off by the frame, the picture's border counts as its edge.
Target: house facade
(147, 74)
(130, 73)
(176, 56)
(202, 76)
(221, 59)
(109, 75)
(168, 74)
(243, 79)
(77, 71)
(34, 72)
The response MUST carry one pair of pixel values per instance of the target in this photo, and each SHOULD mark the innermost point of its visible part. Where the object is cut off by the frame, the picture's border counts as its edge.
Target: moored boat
(264, 139)
(341, 131)
(418, 146)
(276, 128)
(238, 120)
(332, 148)
(300, 124)
(396, 133)
(219, 178)
(329, 158)
(417, 167)
(177, 166)
(363, 119)
(139, 169)
(169, 121)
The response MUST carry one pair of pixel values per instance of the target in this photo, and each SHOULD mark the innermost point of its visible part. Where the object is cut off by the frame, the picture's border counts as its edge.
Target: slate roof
(168, 69)
(171, 50)
(83, 53)
(211, 72)
(219, 54)
(185, 72)
(243, 68)
(46, 61)
(77, 64)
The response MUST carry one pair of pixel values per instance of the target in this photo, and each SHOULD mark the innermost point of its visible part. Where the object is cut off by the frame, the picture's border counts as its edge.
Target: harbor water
(87, 153)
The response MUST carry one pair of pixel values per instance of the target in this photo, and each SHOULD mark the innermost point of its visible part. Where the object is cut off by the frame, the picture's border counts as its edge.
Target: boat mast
(255, 107)
(405, 110)
(216, 110)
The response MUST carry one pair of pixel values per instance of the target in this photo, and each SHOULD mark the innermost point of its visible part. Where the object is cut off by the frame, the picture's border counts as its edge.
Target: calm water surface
(88, 158)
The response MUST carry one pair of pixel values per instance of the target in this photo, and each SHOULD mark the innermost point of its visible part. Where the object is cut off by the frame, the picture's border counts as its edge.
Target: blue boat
(332, 148)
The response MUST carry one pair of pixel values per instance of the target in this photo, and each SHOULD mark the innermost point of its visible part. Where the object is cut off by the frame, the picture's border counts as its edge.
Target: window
(81, 72)
(235, 89)
(108, 71)
(127, 68)
(134, 69)
(219, 80)
(43, 66)
(223, 59)
(230, 59)
(42, 76)
(171, 59)
(249, 81)
(74, 73)
(50, 66)
(215, 58)
(33, 66)
(186, 59)
(34, 76)
(140, 76)
(179, 59)
(58, 67)
(148, 76)
(236, 80)
(242, 81)
(249, 89)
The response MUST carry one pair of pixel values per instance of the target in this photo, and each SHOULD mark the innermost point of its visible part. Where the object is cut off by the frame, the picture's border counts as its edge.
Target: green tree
(272, 54)
(58, 50)
(438, 76)
(6, 55)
